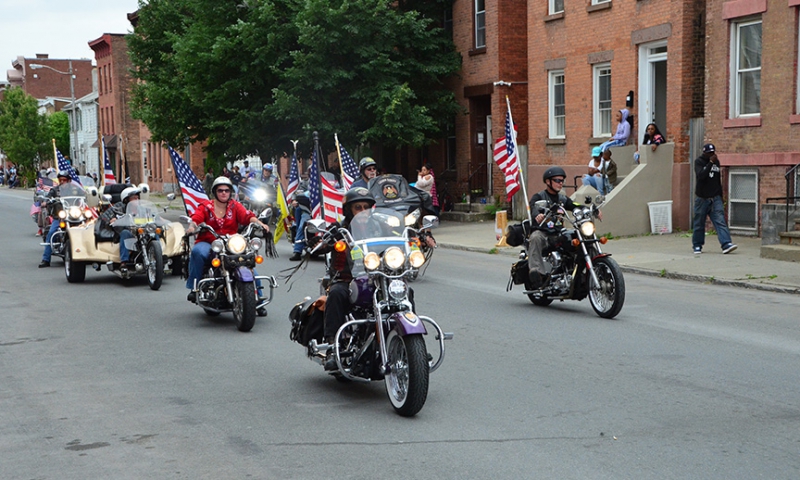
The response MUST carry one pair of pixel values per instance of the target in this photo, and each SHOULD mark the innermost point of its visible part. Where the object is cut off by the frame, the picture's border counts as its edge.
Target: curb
(707, 279)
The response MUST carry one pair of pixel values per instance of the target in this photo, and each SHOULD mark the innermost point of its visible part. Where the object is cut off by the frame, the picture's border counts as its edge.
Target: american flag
(294, 178)
(191, 188)
(505, 154)
(44, 183)
(108, 174)
(63, 164)
(349, 168)
(314, 194)
(333, 199)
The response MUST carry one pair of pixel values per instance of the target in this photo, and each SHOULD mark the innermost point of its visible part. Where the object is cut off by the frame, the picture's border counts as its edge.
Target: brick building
(120, 131)
(753, 102)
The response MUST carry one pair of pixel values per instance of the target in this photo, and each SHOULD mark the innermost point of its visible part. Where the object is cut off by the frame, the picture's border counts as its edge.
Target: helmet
(358, 194)
(366, 162)
(267, 166)
(63, 173)
(127, 193)
(553, 172)
(220, 181)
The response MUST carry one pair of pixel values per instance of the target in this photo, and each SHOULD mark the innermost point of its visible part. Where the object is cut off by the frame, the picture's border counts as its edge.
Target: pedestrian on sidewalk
(709, 201)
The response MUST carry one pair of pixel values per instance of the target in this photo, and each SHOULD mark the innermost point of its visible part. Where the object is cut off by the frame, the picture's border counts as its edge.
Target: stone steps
(787, 253)
(467, 212)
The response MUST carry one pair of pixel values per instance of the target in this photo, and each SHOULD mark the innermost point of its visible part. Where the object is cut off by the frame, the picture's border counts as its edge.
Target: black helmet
(358, 194)
(553, 172)
(366, 162)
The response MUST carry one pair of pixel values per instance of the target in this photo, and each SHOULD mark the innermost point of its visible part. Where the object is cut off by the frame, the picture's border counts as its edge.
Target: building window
(746, 68)
(598, 2)
(602, 100)
(480, 24)
(556, 6)
(557, 103)
(743, 199)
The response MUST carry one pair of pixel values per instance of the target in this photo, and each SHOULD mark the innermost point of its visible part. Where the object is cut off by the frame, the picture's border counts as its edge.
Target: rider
(267, 177)
(224, 215)
(302, 213)
(111, 215)
(544, 236)
(337, 304)
(64, 178)
(368, 169)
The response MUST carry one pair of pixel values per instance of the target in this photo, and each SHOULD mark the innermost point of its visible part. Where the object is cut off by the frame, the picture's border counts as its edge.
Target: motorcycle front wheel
(408, 370)
(75, 271)
(608, 297)
(155, 267)
(244, 305)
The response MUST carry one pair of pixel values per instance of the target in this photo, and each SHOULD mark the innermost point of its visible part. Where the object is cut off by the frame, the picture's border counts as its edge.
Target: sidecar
(87, 246)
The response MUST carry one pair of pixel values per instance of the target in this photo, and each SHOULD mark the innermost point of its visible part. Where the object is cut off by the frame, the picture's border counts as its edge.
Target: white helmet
(126, 194)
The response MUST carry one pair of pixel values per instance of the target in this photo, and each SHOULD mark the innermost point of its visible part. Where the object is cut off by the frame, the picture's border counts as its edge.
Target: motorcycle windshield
(375, 230)
(257, 191)
(141, 212)
(72, 195)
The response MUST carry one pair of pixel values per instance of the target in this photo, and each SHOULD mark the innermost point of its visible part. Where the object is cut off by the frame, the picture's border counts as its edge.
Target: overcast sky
(60, 28)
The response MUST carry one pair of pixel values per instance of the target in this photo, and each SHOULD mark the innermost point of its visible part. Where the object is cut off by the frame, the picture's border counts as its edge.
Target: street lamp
(73, 133)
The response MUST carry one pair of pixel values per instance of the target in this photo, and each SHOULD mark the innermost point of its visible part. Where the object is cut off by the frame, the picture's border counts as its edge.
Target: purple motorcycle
(382, 337)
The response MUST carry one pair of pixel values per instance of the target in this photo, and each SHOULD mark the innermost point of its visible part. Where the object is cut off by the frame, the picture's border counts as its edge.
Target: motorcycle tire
(407, 377)
(155, 268)
(244, 305)
(177, 266)
(608, 297)
(75, 271)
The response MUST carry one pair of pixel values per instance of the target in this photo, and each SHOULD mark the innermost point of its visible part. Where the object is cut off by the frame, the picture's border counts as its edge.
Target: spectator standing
(709, 202)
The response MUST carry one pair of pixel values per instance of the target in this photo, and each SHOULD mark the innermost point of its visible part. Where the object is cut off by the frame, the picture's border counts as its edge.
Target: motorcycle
(230, 283)
(260, 198)
(382, 337)
(71, 210)
(576, 266)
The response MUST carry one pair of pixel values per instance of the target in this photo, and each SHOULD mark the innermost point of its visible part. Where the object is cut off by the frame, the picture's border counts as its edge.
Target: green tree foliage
(249, 75)
(24, 134)
(59, 126)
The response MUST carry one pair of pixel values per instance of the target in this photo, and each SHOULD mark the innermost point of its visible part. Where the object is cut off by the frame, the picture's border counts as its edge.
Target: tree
(248, 77)
(59, 126)
(24, 134)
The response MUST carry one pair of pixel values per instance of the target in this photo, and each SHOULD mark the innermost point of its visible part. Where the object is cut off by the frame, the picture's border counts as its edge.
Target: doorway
(652, 87)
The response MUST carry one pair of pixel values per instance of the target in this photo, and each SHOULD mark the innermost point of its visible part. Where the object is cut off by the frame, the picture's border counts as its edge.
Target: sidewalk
(668, 256)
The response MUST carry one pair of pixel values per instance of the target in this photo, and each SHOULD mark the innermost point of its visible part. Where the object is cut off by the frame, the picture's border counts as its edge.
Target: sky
(60, 28)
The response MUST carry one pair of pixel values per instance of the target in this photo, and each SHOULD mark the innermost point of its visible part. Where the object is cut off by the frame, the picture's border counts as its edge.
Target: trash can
(660, 217)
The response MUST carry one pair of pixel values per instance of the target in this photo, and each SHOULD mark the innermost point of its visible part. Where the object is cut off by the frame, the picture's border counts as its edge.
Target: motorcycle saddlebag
(516, 234)
(519, 272)
(307, 323)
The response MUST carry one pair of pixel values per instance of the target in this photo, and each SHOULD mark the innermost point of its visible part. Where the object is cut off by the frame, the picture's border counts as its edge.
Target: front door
(480, 110)
(652, 87)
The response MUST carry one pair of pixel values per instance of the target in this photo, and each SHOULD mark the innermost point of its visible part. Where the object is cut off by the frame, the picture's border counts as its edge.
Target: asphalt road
(109, 379)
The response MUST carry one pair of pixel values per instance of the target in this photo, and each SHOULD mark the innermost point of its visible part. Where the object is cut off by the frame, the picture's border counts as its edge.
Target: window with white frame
(556, 6)
(746, 68)
(557, 104)
(480, 23)
(743, 199)
(598, 2)
(602, 100)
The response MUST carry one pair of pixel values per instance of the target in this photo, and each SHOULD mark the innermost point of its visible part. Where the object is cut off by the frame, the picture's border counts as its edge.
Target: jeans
(612, 143)
(48, 250)
(124, 254)
(712, 208)
(598, 183)
(299, 236)
(198, 260)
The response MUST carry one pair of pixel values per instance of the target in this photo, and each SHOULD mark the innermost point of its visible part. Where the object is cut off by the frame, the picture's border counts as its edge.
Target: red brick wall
(43, 82)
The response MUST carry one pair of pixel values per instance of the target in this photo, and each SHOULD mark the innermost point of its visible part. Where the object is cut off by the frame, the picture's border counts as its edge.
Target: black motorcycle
(576, 266)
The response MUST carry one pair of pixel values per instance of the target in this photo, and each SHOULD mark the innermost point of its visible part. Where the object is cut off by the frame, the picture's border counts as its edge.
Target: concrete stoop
(787, 253)
(467, 212)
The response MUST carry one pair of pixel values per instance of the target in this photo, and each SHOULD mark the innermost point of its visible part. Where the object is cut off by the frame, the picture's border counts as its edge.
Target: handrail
(788, 190)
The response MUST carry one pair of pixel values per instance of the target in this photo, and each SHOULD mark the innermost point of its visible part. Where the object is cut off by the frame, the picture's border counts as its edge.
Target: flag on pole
(63, 164)
(314, 193)
(294, 178)
(349, 168)
(332, 198)
(108, 174)
(505, 154)
(44, 183)
(282, 225)
(191, 189)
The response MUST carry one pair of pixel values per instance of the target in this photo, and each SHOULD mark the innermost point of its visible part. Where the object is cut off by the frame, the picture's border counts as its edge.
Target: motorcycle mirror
(599, 199)
(541, 204)
(170, 196)
(588, 199)
(430, 221)
(107, 198)
(311, 229)
(185, 221)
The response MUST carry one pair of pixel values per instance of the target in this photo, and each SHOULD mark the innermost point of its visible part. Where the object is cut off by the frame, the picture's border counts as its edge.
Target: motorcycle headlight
(260, 195)
(237, 244)
(372, 261)
(416, 258)
(87, 213)
(398, 289)
(255, 243)
(217, 246)
(62, 214)
(587, 229)
(150, 228)
(74, 212)
(412, 218)
(394, 258)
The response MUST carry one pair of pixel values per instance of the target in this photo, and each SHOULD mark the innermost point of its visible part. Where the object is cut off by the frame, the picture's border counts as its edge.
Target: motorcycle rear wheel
(155, 269)
(407, 377)
(75, 271)
(244, 306)
(608, 297)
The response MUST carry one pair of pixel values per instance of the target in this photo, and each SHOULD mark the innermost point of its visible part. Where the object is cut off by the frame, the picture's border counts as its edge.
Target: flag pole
(319, 173)
(519, 161)
(55, 155)
(339, 155)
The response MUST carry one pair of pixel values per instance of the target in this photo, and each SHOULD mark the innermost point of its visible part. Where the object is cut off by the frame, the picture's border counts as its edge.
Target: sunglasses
(370, 168)
(557, 180)
(223, 190)
(360, 207)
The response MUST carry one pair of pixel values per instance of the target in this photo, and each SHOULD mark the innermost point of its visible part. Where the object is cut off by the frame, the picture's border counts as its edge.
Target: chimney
(42, 56)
